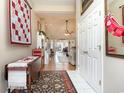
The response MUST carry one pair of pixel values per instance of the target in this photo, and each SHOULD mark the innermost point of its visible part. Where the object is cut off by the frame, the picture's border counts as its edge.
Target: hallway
(58, 62)
(61, 62)
(50, 82)
(62, 46)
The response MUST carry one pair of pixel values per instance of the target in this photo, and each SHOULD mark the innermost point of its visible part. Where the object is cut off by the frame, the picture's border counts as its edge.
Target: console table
(23, 72)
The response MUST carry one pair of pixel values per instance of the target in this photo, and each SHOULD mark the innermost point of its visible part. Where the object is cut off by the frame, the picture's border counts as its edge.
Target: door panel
(89, 47)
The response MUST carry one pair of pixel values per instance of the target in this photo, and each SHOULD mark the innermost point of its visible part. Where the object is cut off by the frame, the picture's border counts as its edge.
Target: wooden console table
(23, 72)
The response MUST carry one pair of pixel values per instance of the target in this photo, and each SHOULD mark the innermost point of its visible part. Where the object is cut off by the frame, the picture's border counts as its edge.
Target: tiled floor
(79, 83)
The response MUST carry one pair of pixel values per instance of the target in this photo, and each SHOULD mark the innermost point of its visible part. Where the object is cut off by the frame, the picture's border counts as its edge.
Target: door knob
(99, 46)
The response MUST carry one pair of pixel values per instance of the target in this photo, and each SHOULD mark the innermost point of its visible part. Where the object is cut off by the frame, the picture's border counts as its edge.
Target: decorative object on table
(20, 22)
(37, 52)
(86, 4)
(53, 82)
(113, 26)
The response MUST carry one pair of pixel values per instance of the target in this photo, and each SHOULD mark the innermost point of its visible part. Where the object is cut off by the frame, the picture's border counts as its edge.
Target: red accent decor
(16, 12)
(37, 52)
(13, 4)
(21, 23)
(22, 9)
(68, 83)
(27, 40)
(19, 2)
(19, 20)
(113, 27)
(16, 32)
(112, 50)
(17, 68)
(13, 25)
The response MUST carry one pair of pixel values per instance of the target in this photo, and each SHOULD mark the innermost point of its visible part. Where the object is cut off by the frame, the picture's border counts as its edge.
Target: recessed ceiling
(54, 13)
(54, 2)
(54, 6)
(56, 26)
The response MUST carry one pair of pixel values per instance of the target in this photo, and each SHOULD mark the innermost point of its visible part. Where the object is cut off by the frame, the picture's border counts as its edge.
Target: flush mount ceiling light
(67, 32)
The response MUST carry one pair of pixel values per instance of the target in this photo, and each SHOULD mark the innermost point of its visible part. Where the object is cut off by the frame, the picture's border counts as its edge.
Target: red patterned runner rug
(53, 82)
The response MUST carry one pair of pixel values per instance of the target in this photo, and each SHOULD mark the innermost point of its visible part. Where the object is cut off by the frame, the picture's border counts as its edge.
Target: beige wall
(8, 52)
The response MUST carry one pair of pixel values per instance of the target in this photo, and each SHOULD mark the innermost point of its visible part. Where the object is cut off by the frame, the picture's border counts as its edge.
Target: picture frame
(85, 5)
(122, 15)
(122, 21)
(20, 22)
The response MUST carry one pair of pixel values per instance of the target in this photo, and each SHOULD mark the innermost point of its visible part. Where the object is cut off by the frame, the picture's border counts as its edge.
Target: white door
(90, 49)
(82, 47)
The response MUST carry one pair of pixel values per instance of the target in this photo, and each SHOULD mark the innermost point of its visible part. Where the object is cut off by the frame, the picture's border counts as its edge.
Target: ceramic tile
(80, 84)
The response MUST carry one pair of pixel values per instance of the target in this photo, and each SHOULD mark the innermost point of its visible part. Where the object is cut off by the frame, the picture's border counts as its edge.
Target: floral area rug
(53, 82)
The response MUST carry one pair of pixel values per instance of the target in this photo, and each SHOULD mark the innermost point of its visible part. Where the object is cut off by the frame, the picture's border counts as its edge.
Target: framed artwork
(86, 4)
(20, 22)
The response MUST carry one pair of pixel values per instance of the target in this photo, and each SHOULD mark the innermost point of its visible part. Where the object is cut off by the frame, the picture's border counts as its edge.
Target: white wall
(113, 70)
(8, 52)
(78, 14)
(113, 75)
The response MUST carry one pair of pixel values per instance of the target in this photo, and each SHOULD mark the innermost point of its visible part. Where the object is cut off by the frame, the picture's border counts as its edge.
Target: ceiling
(56, 26)
(110, 1)
(53, 2)
(54, 13)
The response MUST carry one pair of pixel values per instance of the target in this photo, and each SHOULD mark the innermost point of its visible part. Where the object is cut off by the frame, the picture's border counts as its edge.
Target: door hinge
(100, 82)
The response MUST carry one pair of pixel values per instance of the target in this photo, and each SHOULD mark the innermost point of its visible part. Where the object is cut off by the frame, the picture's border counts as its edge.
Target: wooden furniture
(23, 72)
(39, 52)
